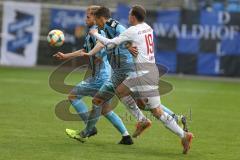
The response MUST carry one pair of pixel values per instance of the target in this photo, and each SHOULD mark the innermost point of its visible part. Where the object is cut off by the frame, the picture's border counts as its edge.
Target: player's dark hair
(139, 12)
(103, 12)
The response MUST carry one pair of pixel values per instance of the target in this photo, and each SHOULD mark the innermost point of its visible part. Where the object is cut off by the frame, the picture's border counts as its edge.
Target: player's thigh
(84, 88)
(122, 90)
(146, 77)
(107, 107)
(147, 98)
(152, 102)
(104, 94)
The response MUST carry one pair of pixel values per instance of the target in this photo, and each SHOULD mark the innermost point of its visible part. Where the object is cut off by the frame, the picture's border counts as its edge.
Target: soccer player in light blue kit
(101, 71)
(122, 64)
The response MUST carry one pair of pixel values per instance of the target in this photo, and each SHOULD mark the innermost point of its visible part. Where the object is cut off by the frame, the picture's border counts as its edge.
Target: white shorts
(152, 102)
(144, 85)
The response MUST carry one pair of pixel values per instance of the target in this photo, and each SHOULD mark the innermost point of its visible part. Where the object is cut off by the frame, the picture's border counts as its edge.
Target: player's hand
(93, 31)
(98, 60)
(82, 50)
(60, 56)
(83, 53)
(133, 51)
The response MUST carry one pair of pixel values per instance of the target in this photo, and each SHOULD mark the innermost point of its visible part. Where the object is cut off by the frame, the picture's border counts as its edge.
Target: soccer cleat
(75, 134)
(186, 142)
(182, 122)
(82, 137)
(141, 126)
(72, 133)
(126, 140)
(92, 133)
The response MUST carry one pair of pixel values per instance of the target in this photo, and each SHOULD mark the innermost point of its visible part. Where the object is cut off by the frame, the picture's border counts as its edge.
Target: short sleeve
(120, 29)
(126, 35)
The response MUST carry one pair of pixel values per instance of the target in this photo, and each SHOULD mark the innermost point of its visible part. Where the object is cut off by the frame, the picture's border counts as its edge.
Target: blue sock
(117, 122)
(165, 109)
(170, 112)
(93, 118)
(81, 109)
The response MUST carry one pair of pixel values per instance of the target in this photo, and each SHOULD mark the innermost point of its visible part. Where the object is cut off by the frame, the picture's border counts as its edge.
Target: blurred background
(197, 37)
(192, 37)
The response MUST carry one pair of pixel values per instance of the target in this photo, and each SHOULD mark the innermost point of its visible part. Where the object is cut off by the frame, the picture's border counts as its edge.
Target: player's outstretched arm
(98, 47)
(62, 56)
(115, 41)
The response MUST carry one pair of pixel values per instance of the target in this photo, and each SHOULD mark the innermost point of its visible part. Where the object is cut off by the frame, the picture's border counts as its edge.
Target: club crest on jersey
(112, 23)
(18, 29)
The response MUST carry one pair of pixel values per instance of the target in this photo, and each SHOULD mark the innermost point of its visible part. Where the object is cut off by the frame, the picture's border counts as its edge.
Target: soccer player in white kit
(144, 82)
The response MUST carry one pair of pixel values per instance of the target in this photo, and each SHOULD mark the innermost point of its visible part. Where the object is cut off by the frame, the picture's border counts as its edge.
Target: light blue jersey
(119, 57)
(101, 70)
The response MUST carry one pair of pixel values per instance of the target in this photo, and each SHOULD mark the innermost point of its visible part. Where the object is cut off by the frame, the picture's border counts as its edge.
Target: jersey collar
(92, 27)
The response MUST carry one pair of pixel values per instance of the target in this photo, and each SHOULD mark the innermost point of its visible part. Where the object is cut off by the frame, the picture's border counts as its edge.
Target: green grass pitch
(30, 130)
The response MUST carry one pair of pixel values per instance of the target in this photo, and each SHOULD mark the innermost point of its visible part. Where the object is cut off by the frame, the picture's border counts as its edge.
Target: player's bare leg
(81, 108)
(170, 123)
(153, 104)
(180, 119)
(143, 123)
(101, 106)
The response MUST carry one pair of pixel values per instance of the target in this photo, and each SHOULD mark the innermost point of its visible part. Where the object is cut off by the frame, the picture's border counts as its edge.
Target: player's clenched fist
(93, 31)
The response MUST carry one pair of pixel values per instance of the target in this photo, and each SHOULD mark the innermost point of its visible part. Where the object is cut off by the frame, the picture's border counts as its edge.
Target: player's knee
(120, 93)
(157, 112)
(97, 101)
(140, 104)
(105, 111)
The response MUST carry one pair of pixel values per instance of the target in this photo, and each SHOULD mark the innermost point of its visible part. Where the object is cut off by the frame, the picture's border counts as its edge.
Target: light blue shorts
(88, 87)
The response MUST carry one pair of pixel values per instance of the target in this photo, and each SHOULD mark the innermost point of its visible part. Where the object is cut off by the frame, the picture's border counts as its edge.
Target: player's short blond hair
(92, 9)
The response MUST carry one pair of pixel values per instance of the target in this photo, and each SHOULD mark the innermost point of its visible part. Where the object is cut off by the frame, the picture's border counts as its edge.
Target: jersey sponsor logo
(145, 31)
(113, 24)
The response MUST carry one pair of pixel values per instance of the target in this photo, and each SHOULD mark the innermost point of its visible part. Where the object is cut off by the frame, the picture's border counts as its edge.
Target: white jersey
(141, 36)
